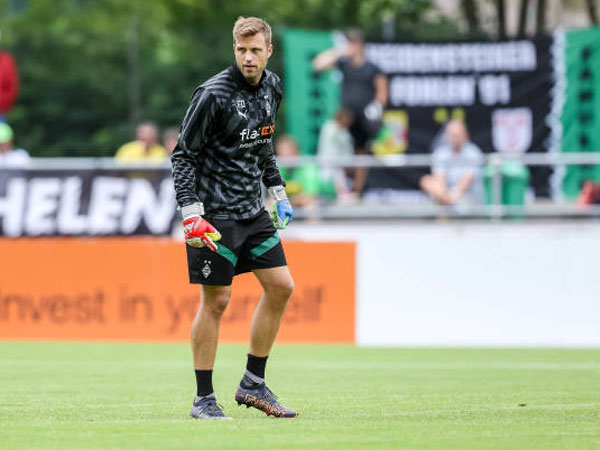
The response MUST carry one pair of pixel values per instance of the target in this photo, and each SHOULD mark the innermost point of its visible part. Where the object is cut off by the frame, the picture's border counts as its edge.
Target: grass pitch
(92, 395)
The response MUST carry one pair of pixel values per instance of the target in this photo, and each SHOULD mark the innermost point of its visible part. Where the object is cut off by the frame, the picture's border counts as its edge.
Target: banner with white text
(505, 91)
(501, 89)
(86, 202)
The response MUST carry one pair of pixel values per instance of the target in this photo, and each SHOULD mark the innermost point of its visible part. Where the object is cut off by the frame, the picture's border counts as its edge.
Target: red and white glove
(198, 232)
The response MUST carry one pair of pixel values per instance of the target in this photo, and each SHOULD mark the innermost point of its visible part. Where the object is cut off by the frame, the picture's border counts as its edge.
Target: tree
(501, 14)
(540, 17)
(471, 14)
(90, 69)
(524, 8)
(592, 11)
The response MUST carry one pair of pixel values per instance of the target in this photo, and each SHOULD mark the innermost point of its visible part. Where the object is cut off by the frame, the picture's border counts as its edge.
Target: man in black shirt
(224, 151)
(364, 91)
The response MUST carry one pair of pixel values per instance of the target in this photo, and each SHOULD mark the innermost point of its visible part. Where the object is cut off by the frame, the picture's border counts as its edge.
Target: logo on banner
(393, 135)
(512, 130)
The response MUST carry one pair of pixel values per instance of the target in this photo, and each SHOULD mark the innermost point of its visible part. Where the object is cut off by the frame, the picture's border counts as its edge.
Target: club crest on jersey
(267, 105)
(241, 107)
(206, 271)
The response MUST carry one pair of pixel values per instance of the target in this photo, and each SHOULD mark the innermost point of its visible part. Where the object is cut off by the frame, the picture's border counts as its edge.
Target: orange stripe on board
(137, 289)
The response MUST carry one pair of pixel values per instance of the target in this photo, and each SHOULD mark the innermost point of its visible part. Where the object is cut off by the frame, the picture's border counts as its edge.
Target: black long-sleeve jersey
(225, 145)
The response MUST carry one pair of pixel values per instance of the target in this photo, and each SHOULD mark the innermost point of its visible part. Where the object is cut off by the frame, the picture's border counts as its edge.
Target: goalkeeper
(223, 153)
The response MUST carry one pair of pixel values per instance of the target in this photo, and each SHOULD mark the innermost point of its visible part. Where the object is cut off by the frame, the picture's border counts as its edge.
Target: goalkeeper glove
(198, 232)
(282, 212)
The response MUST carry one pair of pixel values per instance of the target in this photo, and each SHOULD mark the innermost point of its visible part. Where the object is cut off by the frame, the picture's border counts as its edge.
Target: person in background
(301, 183)
(335, 141)
(169, 139)
(9, 155)
(9, 82)
(589, 195)
(146, 146)
(456, 168)
(364, 92)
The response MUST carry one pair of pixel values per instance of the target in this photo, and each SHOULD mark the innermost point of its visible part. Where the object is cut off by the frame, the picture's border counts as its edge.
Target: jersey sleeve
(194, 129)
(271, 175)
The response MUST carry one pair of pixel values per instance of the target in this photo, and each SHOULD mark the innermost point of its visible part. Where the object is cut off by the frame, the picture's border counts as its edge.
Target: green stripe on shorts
(226, 253)
(265, 246)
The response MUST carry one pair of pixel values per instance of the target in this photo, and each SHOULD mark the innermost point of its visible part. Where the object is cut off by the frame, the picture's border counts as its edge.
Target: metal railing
(558, 207)
(555, 208)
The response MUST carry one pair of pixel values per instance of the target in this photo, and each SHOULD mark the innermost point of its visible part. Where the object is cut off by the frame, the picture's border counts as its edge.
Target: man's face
(251, 56)
(356, 49)
(345, 119)
(147, 134)
(170, 142)
(456, 134)
(286, 148)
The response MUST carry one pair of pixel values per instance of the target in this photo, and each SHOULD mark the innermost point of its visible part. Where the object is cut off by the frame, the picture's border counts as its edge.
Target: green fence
(581, 111)
(311, 97)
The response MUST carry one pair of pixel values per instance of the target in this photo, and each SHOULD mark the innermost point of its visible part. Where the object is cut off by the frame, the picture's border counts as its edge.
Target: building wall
(509, 284)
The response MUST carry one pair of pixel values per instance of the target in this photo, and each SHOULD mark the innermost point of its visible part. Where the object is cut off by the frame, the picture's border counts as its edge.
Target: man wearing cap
(9, 156)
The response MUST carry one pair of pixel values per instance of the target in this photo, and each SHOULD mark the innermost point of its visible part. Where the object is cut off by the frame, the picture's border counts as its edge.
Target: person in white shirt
(456, 168)
(10, 156)
(335, 141)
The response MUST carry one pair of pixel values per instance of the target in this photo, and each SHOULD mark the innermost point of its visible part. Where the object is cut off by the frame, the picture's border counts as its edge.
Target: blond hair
(249, 26)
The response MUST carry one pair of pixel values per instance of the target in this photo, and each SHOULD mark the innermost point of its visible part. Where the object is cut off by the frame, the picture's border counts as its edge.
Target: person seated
(9, 155)
(589, 195)
(456, 168)
(301, 182)
(336, 142)
(144, 148)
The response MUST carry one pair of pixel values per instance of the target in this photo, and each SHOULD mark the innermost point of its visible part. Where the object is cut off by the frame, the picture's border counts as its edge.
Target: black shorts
(363, 130)
(245, 245)
(359, 133)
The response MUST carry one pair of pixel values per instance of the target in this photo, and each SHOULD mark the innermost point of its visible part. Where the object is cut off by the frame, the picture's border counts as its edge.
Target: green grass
(99, 395)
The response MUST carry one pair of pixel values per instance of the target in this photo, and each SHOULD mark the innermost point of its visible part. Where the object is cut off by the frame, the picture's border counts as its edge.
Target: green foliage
(75, 58)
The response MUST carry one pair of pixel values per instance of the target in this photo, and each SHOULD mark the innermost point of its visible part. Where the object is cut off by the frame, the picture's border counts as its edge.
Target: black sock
(204, 382)
(256, 365)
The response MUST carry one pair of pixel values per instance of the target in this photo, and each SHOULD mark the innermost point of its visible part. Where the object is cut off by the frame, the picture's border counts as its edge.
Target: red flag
(9, 82)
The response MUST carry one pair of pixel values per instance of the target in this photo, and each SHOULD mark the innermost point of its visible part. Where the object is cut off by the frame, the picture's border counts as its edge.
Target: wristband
(278, 193)
(194, 209)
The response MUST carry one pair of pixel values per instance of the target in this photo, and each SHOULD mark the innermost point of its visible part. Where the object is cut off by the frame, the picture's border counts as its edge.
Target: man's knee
(280, 288)
(215, 299)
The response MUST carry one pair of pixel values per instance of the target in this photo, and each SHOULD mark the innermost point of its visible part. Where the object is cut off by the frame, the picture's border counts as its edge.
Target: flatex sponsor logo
(260, 132)
(259, 136)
